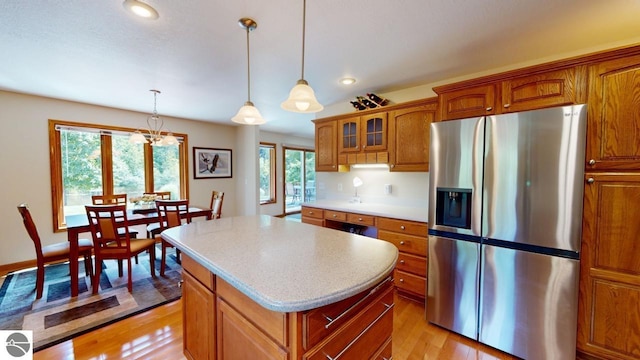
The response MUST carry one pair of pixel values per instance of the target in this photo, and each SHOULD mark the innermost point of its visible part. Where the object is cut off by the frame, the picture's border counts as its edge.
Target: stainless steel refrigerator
(505, 218)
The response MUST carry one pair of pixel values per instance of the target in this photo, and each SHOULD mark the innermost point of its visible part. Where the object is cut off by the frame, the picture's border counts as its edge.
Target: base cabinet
(220, 322)
(609, 307)
(198, 315)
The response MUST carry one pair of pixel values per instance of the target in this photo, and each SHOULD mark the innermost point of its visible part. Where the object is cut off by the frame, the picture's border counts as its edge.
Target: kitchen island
(259, 287)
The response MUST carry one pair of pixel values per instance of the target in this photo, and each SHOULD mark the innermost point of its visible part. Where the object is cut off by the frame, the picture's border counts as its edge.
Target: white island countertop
(285, 265)
(420, 214)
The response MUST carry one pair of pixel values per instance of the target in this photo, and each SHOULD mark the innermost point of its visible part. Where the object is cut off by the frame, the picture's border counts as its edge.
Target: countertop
(285, 265)
(420, 214)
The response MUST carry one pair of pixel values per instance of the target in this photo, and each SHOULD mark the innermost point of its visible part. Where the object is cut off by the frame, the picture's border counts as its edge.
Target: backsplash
(407, 188)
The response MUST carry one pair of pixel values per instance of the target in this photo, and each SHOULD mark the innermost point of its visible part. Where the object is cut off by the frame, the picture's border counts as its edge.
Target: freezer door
(528, 303)
(456, 156)
(534, 169)
(452, 296)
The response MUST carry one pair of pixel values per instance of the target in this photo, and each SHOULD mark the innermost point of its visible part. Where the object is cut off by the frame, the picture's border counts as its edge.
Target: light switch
(387, 189)
(340, 187)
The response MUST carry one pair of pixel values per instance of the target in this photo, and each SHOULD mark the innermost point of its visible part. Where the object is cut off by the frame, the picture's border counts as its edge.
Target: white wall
(277, 208)
(25, 174)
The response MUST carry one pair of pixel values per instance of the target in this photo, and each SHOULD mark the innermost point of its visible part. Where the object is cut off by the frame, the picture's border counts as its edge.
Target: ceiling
(195, 53)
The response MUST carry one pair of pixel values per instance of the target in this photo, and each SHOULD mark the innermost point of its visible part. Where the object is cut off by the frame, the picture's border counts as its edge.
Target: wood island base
(220, 322)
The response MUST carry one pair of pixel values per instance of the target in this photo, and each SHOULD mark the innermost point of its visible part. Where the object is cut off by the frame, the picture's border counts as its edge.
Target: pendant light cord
(248, 69)
(304, 15)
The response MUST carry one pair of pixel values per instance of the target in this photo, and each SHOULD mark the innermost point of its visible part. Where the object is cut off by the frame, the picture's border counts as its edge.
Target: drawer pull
(310, 212)
(401, 227)
(402, 242)
(371, 292)
(402, 262)
(401, 280)
(386, 310)
(334, 215)
(359, 219)
(384, 358)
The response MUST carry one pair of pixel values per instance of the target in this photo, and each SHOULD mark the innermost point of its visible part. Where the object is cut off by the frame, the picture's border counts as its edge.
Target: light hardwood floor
(157, 334)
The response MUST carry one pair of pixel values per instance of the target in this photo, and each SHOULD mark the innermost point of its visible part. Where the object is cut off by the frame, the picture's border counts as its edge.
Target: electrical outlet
(340, 187)
(387, 189)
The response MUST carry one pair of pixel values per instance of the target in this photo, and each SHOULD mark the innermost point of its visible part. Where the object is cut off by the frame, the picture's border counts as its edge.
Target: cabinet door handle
(402, 242)
(507, 105)
(592, 162)
(401, 280)
(388, 307)
(373, 291)
(180, 283)
(489, 108)
(590, 180)
(402, 262)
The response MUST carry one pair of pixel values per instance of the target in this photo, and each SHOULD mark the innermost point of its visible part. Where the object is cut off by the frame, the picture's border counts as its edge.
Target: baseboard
(8, 268)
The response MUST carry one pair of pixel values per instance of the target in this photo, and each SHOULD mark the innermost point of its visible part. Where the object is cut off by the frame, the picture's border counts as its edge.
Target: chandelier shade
(248, 113)
(302, 98)
(154, 133)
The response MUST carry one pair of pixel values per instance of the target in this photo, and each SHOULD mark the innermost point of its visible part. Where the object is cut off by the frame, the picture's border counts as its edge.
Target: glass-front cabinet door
(349, 135)
(374, 132)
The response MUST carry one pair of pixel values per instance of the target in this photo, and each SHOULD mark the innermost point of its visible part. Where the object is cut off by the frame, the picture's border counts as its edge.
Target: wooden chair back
(120, 199)
(169, 212)
(23, 209)
(105, 222)
(161, 195)
(216, 204)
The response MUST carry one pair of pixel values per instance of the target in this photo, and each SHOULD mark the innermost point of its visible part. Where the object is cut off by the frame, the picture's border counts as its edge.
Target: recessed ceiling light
(347, 81)
(140, 9)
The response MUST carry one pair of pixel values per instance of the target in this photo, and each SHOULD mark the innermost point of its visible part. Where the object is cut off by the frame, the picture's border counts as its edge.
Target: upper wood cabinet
(363, 139)
(398, 136)
(614, 115)
(409, 134)
(326, 149)
(468, 102)
(553, 88)
(518, 93)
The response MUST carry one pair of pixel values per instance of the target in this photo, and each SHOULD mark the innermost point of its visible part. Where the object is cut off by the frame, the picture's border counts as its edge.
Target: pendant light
(302, 99)
(248, 114)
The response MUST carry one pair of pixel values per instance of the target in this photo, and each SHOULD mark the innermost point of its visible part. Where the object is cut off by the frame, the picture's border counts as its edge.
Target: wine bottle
(366, 102)
(358, 105)
(377, 99)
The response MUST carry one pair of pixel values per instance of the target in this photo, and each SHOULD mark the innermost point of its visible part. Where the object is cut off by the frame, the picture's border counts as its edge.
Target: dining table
(79, 223)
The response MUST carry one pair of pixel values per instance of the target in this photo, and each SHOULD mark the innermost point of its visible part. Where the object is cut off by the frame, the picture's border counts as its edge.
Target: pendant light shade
(248, 114)
(302, 98)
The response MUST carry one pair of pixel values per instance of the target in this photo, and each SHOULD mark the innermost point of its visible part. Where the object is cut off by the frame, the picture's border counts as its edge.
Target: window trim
(55, 163)
(273, 194)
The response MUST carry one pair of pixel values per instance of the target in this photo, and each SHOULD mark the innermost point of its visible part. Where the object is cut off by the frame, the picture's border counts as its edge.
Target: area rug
(56, 317)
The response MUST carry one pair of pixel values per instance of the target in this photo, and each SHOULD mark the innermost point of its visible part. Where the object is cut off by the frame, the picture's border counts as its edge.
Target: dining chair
(154, 229)
(105, 222)
(169, 212)
(115, 199)
(53, 253)
(216, 204)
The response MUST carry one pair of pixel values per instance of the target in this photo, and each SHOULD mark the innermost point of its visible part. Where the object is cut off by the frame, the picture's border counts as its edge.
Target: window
(91, 160)
(267, 173)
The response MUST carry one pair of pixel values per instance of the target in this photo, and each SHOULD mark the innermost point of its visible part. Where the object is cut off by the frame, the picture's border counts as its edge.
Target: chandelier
(155, 124)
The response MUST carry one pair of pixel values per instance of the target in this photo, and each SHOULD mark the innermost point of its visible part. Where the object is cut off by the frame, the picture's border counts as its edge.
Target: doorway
(299, 178)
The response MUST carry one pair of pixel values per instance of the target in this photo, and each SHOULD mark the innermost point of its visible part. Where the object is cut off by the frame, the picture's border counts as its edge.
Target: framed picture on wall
(211, 163)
